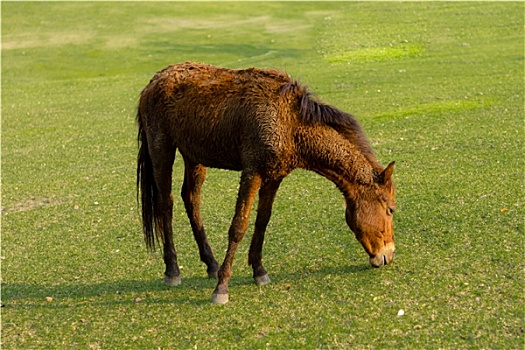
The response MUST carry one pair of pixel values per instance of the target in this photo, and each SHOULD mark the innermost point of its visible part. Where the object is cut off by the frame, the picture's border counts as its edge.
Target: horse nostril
(384, 260)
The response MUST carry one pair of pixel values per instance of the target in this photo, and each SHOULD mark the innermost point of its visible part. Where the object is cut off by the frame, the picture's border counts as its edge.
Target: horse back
(220, 117)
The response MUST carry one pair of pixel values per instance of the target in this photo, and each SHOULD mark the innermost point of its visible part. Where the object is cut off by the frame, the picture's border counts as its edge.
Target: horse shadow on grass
(194, 290)
(105, 293)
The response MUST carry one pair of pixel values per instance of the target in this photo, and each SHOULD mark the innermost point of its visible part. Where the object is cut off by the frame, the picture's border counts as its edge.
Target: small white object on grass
(401, 312)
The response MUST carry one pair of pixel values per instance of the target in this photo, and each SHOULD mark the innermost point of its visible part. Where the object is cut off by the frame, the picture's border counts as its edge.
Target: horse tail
(146, 186)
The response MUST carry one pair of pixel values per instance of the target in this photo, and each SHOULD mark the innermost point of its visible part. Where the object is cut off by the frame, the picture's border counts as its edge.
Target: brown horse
(264, 124)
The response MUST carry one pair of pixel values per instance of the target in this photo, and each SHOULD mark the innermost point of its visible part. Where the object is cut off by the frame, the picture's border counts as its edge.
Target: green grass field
(438, 87)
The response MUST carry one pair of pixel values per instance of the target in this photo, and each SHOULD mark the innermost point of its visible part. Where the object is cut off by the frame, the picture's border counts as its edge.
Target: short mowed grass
(438, 87)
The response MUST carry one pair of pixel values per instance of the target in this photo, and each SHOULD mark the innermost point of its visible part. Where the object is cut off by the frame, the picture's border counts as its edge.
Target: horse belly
(228, 134)
(220, 153)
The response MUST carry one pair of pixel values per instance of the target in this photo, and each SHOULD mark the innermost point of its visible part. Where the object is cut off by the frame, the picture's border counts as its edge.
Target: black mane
(313, 111)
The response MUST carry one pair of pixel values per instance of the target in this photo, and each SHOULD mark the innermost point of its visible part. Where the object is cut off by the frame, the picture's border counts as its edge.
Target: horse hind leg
(163, 157)
(194, 176)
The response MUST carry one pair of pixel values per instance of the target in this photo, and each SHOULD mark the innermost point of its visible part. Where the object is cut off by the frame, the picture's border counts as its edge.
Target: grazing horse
(265, 124)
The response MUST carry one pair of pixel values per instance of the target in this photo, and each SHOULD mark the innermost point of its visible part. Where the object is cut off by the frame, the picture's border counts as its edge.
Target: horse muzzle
(385, 256)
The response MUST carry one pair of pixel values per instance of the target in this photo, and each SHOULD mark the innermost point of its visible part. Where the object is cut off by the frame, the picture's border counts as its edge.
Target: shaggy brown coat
(265, 124)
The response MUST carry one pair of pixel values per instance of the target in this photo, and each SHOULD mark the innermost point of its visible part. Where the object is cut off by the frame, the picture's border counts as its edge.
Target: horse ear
(385, 176)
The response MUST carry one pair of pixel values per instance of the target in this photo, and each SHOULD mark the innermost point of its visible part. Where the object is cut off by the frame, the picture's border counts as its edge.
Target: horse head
(369, 215)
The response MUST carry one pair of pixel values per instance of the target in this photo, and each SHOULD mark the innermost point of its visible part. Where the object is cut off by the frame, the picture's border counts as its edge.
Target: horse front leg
(264, 211)
(249, 185)
(194, 176)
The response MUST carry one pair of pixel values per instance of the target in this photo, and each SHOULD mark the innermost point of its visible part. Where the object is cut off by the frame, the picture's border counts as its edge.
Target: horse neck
(328, 153)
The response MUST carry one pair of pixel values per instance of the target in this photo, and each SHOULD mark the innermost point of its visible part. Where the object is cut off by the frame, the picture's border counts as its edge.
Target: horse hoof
(172, 281)
(262, 280)
(220, 298)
